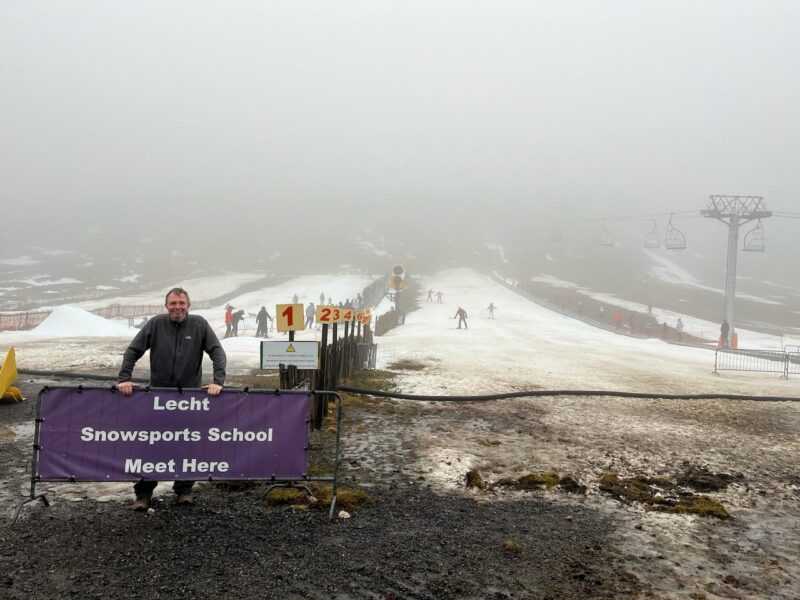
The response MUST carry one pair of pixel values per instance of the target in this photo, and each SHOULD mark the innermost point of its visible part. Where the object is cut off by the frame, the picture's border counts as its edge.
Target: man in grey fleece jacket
(176, 342)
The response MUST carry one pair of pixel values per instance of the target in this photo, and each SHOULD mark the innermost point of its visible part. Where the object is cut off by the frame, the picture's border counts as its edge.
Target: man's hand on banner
(126, 387)
(213, 389)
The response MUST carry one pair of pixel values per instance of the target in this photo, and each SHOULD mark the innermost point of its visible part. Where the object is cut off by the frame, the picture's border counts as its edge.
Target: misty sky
(168, 116)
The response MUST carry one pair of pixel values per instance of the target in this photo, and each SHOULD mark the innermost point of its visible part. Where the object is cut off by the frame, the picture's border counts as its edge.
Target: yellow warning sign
(290, 348)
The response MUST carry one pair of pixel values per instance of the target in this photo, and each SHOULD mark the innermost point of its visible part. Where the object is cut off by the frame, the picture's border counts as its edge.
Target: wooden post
(321, 379)
(334, 369)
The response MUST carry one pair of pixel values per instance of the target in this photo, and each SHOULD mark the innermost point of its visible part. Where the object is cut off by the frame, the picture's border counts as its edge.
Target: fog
(238, 129)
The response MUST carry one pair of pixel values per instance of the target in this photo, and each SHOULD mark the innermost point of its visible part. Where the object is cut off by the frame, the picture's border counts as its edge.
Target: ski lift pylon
(675, 239)
(652, 239)
(754, 240)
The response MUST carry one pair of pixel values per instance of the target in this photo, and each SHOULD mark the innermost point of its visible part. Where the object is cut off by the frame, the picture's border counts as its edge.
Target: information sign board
(163, 435)
(303, 355)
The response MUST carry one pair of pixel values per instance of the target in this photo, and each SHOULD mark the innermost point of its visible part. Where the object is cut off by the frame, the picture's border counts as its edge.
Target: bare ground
(424, 535)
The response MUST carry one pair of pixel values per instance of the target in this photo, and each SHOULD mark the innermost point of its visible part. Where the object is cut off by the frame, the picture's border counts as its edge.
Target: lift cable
(692, 213)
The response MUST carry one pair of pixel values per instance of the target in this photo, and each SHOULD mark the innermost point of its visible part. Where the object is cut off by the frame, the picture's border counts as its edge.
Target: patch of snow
(40, 281)
(71, 321)
(555, 281)
(20, 261)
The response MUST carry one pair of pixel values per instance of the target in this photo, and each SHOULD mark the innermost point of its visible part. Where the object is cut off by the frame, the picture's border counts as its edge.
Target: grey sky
(119, 112)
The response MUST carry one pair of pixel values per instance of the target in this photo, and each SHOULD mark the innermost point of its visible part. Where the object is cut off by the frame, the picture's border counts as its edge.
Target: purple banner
(161, 435)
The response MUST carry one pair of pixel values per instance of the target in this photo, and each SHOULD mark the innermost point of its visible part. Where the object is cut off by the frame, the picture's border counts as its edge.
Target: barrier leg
(41, 497)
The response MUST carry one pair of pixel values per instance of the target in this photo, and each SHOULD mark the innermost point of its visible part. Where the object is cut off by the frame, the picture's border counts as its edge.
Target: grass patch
(548, 479)
(346, 498)
(660, 494)
(255, 380)
(407, 364)
(5, 433)
(475, 480)
(512, 546)
(382, 381)
(698, 505)
(488, 442)
(702, 480)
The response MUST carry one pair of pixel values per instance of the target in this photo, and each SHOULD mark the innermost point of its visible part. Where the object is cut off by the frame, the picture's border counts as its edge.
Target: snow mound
(70, 321)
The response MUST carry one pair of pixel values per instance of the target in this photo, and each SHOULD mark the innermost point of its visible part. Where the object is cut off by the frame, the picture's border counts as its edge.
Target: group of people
(265, 321)
(438, 295)
(232, 320)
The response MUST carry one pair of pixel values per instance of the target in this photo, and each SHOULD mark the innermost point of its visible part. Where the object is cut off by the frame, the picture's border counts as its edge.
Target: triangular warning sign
(291, 349)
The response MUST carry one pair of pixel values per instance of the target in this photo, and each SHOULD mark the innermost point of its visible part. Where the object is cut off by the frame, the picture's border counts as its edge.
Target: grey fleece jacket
(176, 352)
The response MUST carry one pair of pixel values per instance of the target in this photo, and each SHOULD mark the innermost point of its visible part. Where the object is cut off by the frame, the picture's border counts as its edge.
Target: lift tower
(734, 211)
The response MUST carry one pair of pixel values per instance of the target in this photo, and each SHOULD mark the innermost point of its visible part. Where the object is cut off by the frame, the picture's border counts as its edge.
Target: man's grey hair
(179, 291)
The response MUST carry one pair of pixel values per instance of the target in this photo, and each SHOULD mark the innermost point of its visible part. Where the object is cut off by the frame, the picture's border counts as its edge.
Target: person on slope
(237, 317)
(724, 331)
(311, 312)
(462, 317)
(262, 322)
(228, 320)
(491, 308)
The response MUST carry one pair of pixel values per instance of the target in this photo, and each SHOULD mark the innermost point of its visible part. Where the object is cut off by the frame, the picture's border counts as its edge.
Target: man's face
(178, 307)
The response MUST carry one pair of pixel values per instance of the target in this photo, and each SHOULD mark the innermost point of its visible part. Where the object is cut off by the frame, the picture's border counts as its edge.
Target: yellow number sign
(325, 314)
(289, 317)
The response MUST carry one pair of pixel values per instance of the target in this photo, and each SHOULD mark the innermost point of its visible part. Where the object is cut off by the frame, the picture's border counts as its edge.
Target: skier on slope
(491, 308)
(462, 317)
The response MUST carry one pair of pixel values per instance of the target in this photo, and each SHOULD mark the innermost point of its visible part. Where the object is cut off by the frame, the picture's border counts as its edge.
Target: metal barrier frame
(275, 482)
(779, 358)
(792, 363)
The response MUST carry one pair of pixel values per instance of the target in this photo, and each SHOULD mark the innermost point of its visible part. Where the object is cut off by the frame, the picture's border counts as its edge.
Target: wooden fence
(340, 359)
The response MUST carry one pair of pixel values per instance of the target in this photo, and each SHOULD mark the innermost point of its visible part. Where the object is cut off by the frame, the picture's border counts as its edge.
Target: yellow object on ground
(8, 375)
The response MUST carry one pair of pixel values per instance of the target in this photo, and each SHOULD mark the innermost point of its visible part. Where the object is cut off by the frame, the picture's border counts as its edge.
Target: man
(228, 320)
(462, 317)
(176, 342)
(262, 322)
(311, 312)
(724, 331)
(679, 329)
(238, 317)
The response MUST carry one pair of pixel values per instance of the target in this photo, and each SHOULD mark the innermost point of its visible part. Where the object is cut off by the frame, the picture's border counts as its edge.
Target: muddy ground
(423, 533)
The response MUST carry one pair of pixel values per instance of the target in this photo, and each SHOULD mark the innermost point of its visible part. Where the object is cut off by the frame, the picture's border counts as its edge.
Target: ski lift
(555, 234)
(754, 240)
(652, 239)
(604, 238)
(675, 238)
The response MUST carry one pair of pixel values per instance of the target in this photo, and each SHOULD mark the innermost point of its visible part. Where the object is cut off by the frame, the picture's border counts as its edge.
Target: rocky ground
(422, 533)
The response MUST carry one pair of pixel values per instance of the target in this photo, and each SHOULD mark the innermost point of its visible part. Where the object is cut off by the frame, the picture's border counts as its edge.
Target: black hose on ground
(545, 393)
(480, 398)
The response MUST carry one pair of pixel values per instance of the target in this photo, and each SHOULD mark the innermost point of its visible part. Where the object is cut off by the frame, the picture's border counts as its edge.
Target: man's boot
(142, 502)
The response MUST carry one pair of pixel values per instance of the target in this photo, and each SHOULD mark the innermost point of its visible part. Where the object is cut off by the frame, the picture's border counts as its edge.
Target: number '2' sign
(331, 314)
